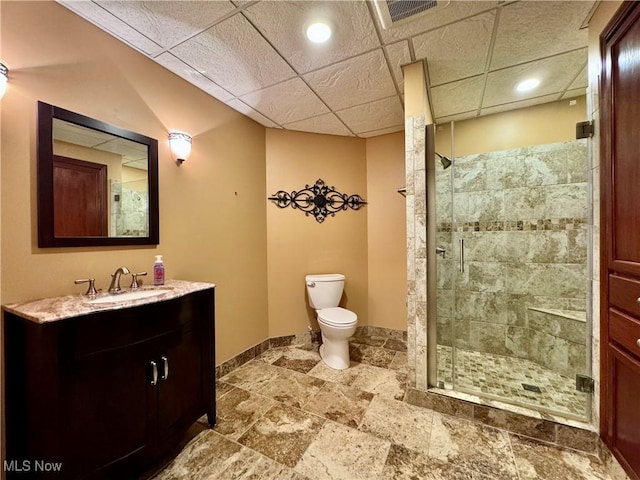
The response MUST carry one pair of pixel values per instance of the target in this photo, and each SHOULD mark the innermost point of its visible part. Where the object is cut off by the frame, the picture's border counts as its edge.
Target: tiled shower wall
(522, 214)
(129, 213)
(416, 202)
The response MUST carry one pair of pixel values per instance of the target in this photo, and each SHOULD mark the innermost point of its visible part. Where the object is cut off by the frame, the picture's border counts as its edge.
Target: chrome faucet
(115, 279)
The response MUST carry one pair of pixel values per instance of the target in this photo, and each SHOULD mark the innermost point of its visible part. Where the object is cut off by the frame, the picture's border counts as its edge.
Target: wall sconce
(180, 144)
(4, 78)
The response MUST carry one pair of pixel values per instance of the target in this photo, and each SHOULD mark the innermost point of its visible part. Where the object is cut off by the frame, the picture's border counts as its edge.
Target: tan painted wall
(212, 218)
(387, 232)
(547, 123)
(298, 245)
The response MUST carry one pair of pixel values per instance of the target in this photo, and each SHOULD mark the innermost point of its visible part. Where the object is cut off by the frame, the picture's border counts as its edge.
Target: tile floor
(502, 378)
(287, 416)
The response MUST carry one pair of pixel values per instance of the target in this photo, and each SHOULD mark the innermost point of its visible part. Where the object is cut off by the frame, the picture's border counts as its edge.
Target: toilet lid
(338, 317)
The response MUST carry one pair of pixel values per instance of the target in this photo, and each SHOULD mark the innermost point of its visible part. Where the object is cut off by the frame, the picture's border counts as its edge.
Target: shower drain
(531, 388)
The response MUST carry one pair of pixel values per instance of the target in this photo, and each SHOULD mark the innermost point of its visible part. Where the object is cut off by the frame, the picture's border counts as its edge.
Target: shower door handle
(462, 255)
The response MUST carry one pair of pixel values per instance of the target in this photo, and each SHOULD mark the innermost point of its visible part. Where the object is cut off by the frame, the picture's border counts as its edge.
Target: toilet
(337, 324)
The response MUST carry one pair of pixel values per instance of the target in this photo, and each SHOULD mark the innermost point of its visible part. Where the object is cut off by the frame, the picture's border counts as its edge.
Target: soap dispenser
(158, 271)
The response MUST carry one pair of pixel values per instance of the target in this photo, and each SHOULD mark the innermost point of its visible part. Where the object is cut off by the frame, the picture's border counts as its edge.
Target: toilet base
(335, 353)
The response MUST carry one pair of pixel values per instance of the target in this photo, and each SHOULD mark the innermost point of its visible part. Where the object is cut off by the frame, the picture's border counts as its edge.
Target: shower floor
(502, 378)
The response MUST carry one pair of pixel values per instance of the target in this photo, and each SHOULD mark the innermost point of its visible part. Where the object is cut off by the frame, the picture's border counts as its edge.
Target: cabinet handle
(638, 342)
(638, 301)
(462, 255)
(165, 368)
(154, 372)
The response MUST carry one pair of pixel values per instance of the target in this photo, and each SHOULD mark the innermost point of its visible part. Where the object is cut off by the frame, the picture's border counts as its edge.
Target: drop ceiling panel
(457, 117)
(359, 80)
(374, 115)
(284, 25)
(235, 56)
(574, 93)
(456, 97)
(581, 80)
(531, 30)
(383, 131)
(520, 104)
(449, 53)
(286, 102)
(245, 109)
(113, 25)
(399, 55)
(192, 76)
(554, 73)
(166, 23)
(327, 123)
(455, 11)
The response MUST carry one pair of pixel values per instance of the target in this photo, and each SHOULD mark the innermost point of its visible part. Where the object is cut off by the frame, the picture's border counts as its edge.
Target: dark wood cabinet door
(625, 374)
(111, 407)
(620, 240)
(181, 390)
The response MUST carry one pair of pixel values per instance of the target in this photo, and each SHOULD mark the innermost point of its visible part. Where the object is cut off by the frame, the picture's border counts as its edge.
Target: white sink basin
(126, 297)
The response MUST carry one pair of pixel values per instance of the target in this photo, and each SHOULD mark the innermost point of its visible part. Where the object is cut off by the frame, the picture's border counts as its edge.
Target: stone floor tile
(370, 355)
(367, 340)
(535, 460)
(340, 403)
(298, 359)
(283, 434)
(252, 375)
(238, 410)
(292, 388)
(271, 355)
(381, 381)
(210, 456)
(399, 422)
(473, 446)
(405, 464)
(339, 452)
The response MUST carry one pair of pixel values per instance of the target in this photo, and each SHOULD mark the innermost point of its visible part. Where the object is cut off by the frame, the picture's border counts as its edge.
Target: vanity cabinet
(105, 394)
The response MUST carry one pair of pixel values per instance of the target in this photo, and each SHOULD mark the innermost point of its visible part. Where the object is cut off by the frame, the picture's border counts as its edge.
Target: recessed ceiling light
(318, 32)
(526, 85)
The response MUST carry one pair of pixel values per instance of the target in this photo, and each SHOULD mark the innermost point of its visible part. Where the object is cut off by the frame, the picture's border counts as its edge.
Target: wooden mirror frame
(46, 234)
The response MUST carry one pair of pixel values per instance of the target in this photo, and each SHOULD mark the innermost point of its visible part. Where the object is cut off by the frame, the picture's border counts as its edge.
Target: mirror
(97, 183)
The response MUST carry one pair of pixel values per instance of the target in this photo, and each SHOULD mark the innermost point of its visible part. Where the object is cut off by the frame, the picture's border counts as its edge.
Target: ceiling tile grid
(113, 25)
(286, 102)
(355, 81)
(284, 25)
(449, 53)
(235, 56)
(327, 123)
(166, 23)
(253, 56)
(383, 113)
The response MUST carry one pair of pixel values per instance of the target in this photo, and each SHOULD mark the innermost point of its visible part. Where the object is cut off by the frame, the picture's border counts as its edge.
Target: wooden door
(79, 198)
(620, 221)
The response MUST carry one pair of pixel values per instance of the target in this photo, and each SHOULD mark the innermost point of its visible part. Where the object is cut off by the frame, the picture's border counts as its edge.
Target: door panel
(620, 214)
(80, 198)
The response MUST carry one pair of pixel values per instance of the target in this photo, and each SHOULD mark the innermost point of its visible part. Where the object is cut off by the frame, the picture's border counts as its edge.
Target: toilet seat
(337, 317)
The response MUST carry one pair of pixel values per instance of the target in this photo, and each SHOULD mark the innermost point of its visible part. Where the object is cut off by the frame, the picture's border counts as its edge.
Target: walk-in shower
(511, 274)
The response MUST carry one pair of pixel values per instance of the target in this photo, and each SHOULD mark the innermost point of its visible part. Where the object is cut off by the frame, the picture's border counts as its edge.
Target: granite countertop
(58, 308)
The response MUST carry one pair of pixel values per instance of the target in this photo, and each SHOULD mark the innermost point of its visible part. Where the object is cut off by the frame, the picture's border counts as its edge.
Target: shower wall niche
(512, 286)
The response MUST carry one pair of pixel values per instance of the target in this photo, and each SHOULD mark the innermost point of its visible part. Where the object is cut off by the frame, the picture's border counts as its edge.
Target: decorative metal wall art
(318, 200)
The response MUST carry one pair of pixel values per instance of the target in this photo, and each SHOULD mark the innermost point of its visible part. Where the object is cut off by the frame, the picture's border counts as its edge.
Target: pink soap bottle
(158, 271)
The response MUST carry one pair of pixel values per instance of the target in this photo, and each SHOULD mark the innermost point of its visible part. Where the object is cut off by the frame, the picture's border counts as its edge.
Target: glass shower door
(512, 294)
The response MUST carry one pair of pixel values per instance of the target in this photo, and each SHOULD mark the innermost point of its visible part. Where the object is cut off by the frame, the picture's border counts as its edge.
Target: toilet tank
(324, 291)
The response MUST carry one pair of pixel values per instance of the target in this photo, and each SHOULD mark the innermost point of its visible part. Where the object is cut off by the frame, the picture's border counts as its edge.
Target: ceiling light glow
(527, 85)
(319, 32)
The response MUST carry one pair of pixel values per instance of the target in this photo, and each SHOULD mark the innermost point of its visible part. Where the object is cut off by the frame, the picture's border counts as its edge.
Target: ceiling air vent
(392, 11)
